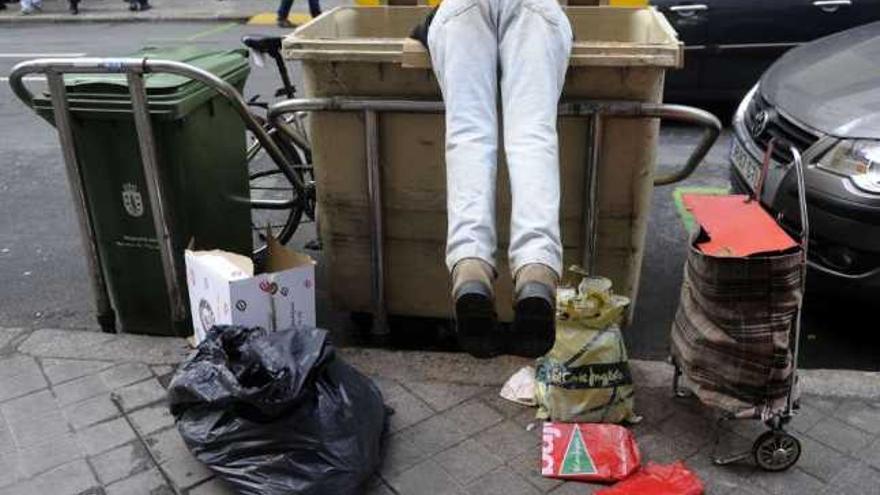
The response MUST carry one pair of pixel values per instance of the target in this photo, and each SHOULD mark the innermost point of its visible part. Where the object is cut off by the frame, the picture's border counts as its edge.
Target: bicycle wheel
(277, 206)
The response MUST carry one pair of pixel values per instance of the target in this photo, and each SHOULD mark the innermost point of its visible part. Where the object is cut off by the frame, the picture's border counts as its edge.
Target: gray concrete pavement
(61, 434)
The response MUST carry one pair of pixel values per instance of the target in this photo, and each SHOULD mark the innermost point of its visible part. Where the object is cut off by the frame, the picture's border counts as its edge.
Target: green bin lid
(169, 95)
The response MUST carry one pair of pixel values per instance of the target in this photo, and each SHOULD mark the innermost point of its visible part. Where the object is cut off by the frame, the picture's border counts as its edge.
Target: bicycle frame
(595, 110)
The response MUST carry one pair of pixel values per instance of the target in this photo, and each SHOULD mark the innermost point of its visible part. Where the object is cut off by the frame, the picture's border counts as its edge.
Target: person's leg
(315, 7)
(284, 9)
(535, 43)
(464, 52)
(464, 55)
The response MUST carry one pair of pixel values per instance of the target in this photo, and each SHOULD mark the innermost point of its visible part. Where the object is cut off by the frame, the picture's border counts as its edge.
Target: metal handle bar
(798, 168)
(606, 108)
(155, 66)
(596, 110)
(831, 6)
(689, 8)
(798, 163)
(687, 115)
(688, 11)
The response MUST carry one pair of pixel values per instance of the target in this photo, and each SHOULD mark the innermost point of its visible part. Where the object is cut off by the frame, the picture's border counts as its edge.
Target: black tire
(776, 451)
(294, 216)
(304, 204)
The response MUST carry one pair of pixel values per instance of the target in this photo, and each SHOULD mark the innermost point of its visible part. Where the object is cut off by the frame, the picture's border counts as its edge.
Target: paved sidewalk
(163, 10)
(61, 433)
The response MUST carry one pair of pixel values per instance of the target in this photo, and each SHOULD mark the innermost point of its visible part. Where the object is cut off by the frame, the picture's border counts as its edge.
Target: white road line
(37, 55)
(26, 79)
(41, 55)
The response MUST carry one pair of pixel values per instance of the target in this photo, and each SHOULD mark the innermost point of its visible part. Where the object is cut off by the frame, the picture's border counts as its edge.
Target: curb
(841, 383)
(464, 370)
(120, 18)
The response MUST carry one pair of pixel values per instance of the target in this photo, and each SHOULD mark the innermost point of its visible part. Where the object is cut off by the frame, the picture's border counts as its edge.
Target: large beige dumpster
(618, 54)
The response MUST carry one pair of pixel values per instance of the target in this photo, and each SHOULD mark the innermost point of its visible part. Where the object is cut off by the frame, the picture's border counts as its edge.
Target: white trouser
(525, 44)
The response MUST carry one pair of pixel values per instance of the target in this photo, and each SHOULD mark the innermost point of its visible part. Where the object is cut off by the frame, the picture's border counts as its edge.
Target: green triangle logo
(577, 458)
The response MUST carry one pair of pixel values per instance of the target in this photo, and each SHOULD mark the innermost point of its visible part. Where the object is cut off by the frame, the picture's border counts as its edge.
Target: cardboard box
(223, 290)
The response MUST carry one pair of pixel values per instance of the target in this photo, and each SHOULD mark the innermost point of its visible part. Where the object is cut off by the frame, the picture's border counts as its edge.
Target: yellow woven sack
(586, 377)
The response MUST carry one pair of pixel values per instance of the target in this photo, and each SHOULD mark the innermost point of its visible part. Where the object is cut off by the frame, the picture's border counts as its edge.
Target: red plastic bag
(588, 452)
(656, 479)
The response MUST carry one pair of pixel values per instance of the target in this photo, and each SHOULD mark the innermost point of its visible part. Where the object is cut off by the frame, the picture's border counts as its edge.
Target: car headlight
(857, 159)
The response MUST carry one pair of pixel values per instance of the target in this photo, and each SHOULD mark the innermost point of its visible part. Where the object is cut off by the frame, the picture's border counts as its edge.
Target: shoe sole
(534, 327)
(476, 324)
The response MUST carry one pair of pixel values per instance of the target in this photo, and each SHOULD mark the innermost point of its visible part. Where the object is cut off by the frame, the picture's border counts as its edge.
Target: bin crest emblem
(132, 200)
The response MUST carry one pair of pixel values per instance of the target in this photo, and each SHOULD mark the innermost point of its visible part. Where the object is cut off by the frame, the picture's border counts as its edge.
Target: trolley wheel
(776, 451)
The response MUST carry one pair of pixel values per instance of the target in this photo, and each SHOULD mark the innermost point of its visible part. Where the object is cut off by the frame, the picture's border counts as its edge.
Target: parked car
(730, 43)
(823, 99)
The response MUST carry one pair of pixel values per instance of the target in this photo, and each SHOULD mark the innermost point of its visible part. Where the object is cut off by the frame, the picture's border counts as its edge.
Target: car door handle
(688, 10)
(832, 5)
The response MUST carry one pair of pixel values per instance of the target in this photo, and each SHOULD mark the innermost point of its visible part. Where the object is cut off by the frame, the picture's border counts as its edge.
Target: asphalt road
(43, 273)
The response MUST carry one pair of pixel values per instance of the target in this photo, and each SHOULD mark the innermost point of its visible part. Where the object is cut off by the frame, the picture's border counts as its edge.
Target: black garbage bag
(278, 412)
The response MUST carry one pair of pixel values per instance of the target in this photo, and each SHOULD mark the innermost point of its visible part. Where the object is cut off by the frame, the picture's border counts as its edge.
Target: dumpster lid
(221, 63)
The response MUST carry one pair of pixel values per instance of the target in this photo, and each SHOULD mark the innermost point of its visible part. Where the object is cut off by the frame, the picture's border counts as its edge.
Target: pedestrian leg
(315, 8)
(283, 12)
(31, 6)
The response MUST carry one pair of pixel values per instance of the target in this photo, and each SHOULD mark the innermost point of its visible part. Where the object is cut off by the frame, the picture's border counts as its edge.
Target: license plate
(748, 167)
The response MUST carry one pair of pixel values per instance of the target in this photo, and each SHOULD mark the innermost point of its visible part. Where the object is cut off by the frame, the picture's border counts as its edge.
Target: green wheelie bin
(200, 154)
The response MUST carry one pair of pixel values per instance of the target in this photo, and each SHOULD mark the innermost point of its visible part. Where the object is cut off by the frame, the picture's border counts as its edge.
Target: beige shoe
(534, 324)
(475, 319)
(535, 273)
(472, 270)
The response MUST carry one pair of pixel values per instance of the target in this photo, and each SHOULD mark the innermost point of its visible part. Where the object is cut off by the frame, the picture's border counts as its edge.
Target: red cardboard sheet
(588, 452)
(735, 226)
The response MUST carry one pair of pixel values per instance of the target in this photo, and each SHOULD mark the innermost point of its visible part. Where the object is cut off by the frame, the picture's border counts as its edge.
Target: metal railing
(595, 110)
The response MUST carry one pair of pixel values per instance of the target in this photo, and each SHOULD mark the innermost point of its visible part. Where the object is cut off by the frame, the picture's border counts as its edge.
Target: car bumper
(844, 223)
